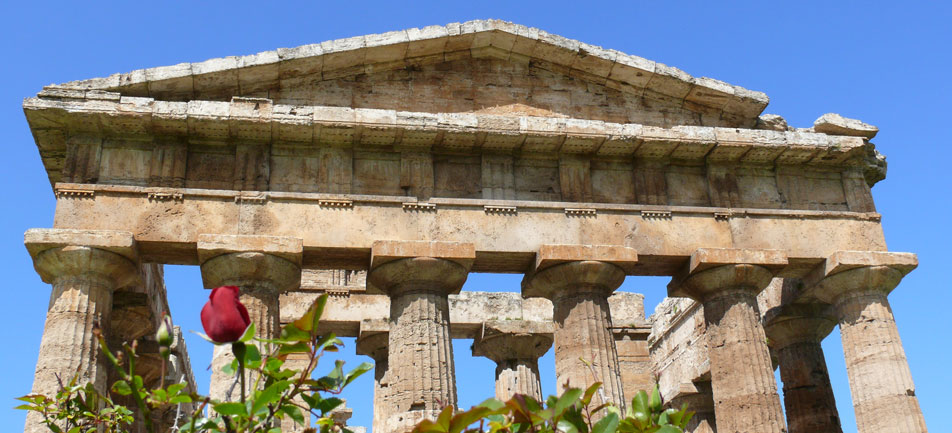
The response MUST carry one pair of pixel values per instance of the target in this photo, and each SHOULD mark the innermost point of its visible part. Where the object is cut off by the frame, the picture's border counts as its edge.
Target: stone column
(262, 267)
(579, 280)
(373, 341)
(515, 346)
(856, 284)
(795, 333)
(84, 267)
(727, 282)
(418, 277)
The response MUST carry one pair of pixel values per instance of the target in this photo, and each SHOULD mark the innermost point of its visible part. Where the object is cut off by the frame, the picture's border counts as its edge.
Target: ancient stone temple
(383, 169)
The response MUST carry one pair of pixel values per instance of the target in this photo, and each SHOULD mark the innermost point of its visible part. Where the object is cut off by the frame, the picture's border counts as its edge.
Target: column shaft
(807, 392)
(83, 280)
(745, 391)
(584, 345)
(260, 278)
(881, 384)
(421, 353)
(382, 404)
(518, 376)
(375, 343)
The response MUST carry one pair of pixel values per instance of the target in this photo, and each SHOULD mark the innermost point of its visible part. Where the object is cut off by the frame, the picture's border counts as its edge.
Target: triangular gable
(574, 79)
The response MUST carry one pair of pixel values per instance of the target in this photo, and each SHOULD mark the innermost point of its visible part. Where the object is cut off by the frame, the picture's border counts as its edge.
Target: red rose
(223, 317)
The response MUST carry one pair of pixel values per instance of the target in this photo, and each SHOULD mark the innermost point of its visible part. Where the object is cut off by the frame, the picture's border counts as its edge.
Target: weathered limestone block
(650, 183)
(727, 283)
(795, 333)
(772, 122)
(252, 167)
(416, 174)
(575, 178)
(167, 166)
(834, 124)
(515, 346)
(634, 361)
(418, 277)
(83, 155)
(579, 289)
(84, 268)
(374, 341)
(856, 283)
(700, 399)
(262, 267)
(498, 177)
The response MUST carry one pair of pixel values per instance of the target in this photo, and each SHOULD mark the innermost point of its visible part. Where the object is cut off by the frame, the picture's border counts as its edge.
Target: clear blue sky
(886, 65)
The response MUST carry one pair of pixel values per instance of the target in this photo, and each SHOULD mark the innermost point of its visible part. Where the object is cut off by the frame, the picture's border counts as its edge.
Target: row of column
(85, 268)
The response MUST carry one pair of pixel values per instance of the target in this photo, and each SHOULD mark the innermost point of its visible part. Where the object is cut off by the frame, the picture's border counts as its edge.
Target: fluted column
(795, 333)
(374, 341)
(262, 267)
(579, 281)
(727, 282)
(857, 283)
(296, 361)
(418, 277)
(83, 278)
(515, 346)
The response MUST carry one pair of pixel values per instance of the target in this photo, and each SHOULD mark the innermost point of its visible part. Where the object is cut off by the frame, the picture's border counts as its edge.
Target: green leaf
(291, 333)
(309, 321)
(463, 419)
(249, 333)
(294, 348)
(608, 424)
(668, 429)
(269, 395)
(443, 420)
(328, 404)
(295, 413)
(640, 403)
(174, 388)
(589, 392)
(25, 407)
(566, 400)
(205, 337)
(356, 372)
(655, 403)
(180, 399)
(230, 408)
(121, 387)
(565, 426)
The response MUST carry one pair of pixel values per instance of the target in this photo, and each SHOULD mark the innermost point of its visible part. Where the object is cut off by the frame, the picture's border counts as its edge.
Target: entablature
(254, 145)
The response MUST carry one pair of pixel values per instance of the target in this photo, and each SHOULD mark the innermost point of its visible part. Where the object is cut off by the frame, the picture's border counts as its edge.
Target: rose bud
(164, 335)
(224, 318)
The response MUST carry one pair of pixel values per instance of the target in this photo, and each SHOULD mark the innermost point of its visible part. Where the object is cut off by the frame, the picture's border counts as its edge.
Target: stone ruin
(382, 169)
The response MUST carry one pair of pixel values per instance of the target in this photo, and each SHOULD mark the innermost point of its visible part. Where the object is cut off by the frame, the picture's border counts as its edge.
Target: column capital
(251, 271)
(710, 271)
(846, 272)
(71, 253)
(797, 323)
(373, 339)
(399, 266)
(578, 267)
(503, 340)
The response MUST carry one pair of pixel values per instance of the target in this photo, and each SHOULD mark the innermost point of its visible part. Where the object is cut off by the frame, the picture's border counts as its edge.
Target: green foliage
(572, 412)
(277, 392)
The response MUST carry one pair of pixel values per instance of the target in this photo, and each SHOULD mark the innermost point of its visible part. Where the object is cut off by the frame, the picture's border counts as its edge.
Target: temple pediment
(487, 66)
